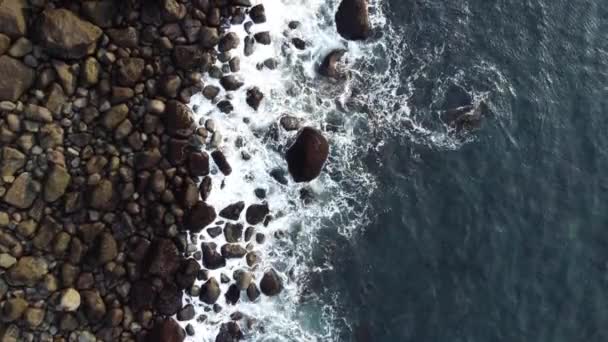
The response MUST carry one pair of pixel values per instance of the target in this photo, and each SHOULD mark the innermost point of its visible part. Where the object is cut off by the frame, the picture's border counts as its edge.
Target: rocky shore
(105, 173)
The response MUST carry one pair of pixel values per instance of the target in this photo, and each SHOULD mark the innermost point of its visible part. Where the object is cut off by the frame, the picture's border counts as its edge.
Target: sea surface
(415, 231)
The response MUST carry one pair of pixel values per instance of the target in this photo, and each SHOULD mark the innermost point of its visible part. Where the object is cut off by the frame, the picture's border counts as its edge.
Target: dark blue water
(504, 237)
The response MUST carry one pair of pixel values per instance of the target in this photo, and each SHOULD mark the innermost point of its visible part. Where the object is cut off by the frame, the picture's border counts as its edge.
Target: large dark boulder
(330, 65)
(233, 211)
(210, 291)
(65, 35)
(352, 19)
(306, 157)
(212, 260)
(271, 284)
(163, 258)
(16, 78)
(178, 119)
(199, 216)
(167, 330)
(256, 213)
(229, 332)
(13, 22)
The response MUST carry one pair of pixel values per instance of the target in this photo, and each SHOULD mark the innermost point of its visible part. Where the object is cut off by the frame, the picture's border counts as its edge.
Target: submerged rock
(352, 19)
(330, 65)
(307, 155)
(271, 284)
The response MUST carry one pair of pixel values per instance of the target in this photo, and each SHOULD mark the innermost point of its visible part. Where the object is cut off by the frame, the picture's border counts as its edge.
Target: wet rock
(190, 56)
(5, 43)
(228, 42)
(262, 37)
(258, 14)
(178, 119)
(220, 160)
(172, 10)
(256, 213)
(205, 187)
(208, 37)
(299, 43)
(23, 191)
(186, 313)
(214, 231)
(211, 258)
(233, 232)
(166, 330)
(232, 295)
(252, 292)
(232, 211)
(279, 175)
(199, 216)
(27, 272)
(271, 284)
(163, 258)
(307, 155)
(56, 184)
(198, 164)
(243, 279)
(129, 71)
(252, 259)
(249, 46)
(229, 332)
(13, 22)
(65, 35)
(225, 106)
(352, 20)
(254, 97)
(211, 92)
(169, 300)
(330, 66)
(210, 291)
(70, 300)
(17, 78)
(12, 160)
(289, 123)
(260, 193)
(233, 251)
(177, 151)
(147, 159)
(142, 295)
(230, 83)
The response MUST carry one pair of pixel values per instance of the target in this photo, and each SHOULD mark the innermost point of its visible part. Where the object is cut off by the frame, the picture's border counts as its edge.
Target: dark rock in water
(307, 195)
(214, 231)
(230, 83)
(178, 119)
(199, 216)
(233, 211)
(235, 64)
(16, 78)
(289, 123)
(249, 45)
(187, 273)
(466, 118)
(256, 213)
(220, 160)
(211, 258)
(252, 292)
(205, 187)
(352, 19)
(186, 313)
(210, 291)
(262, 37)
(307, 155)
(233, 294)
(271, 284)
(225, 106)
(330, 65)
(229, 332)
(208, 37)
(233, 251)
(258, 14)
(198, 164)
(211, 92)
(299, 43)
(228, 42)
(169, 300)
(260, 193)
(294, 25)
(456, 96)
(233, 232)
(279, 175)
(254, 97)
(163, 258)
(249, 233)
(166, 330)
(271, 63)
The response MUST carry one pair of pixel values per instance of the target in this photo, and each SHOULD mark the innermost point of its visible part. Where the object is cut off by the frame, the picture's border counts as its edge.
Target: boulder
(70, 300)
(102, 196)
(233, 251)
(212, 260)
(210, 291)
(11, 161)
(178, 119)
(330, 65)
(16, 78)
(28, 271)
(232, 211)
(167, 330)
(231, 83)
(199, 216)
(65, 35)
(100, 12)
(13, 309)
(129, 70)
(169, 300)
(233, 294)
(104, 250)
(229, 332)
(228, 42)
(254, 97)
(271, 284)
(12, 18)
(256, 213)
(220, 160)
(163, 258)
(189, 57)
(307, 155)
(198, 164)
(23, 191)
(56, 183)
(94, 306)
(352, 20)
(233, 232)
(258, 14)
(208, 37)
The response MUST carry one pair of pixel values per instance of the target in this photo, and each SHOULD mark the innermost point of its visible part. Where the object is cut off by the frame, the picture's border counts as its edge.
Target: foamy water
(292, 88)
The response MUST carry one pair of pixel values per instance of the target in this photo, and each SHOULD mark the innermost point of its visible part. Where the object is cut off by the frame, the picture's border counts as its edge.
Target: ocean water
(416, 232)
